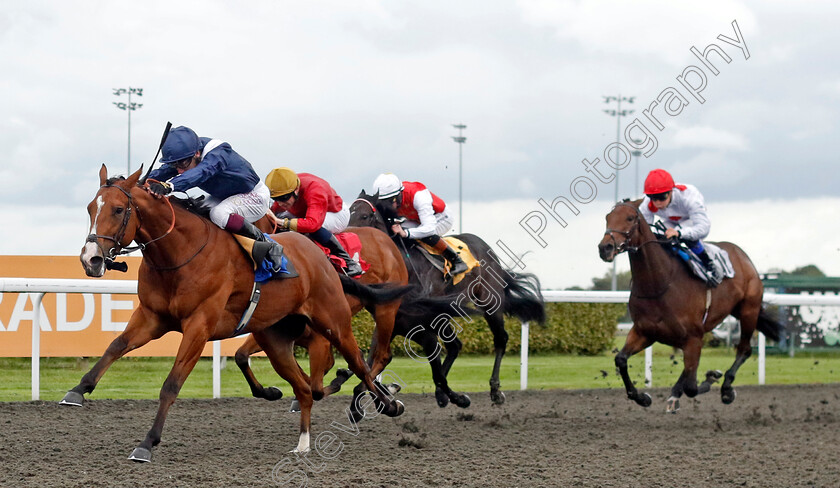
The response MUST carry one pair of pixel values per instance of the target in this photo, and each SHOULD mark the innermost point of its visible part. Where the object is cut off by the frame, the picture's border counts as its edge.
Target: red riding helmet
(658, 181)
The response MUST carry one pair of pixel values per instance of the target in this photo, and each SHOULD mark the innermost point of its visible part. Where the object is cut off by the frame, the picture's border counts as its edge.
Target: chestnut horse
(196, 279)
(669, 305)
(494, 290)
(386, 266)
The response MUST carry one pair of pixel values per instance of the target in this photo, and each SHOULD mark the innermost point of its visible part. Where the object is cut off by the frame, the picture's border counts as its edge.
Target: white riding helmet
(387, 185)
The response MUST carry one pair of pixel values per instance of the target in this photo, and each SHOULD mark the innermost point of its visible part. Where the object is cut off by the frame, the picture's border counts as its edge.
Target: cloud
(708, 138)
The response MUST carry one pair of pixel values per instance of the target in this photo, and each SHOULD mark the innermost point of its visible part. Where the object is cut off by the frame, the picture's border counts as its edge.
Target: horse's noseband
(625, 244)
(118, 236)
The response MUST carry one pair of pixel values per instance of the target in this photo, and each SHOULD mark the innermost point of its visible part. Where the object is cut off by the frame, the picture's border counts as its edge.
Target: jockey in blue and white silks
(237, 197)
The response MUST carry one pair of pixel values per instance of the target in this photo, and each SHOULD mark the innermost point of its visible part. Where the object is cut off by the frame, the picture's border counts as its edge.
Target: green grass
(132, 378)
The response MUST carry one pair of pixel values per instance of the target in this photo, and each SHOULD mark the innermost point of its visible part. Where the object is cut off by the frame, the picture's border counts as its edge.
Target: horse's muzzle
(92, 260)
(606, 249)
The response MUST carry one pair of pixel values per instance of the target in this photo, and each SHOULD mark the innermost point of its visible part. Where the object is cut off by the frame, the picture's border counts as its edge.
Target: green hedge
(576, 328)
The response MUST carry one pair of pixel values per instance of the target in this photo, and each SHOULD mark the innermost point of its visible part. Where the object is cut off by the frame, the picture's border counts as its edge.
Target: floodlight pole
(618, 113)
(460, 139)
(128, 107)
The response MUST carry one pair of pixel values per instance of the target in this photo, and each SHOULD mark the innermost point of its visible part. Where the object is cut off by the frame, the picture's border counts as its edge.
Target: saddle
(437, 260)
(720, 260)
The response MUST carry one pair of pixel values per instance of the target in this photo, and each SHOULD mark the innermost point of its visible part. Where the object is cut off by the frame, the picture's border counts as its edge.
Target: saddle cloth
(443, 265)
(353, 245)
(720, 260)
(263, 271)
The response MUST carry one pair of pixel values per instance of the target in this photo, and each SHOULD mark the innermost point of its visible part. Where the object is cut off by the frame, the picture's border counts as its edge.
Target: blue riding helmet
(181, 143)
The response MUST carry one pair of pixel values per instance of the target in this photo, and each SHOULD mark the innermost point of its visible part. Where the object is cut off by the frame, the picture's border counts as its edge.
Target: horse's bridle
(625, 246)
(118, 248)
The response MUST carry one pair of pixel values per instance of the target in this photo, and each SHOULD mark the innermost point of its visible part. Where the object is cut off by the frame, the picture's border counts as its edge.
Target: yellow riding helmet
(281, 181)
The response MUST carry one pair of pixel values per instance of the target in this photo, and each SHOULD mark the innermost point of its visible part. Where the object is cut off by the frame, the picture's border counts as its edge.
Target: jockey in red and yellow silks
(308, 204)
(426, 215)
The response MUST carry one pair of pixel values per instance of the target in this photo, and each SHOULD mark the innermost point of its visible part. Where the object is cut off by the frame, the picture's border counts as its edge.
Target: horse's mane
(114, 179)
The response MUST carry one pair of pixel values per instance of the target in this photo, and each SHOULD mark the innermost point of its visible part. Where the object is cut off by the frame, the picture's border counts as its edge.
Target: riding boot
(711, 270)
(352, 267)
(456, 264)
(275, 251)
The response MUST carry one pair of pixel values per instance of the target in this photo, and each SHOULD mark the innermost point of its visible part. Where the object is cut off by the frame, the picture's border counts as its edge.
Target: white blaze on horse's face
(91, 250)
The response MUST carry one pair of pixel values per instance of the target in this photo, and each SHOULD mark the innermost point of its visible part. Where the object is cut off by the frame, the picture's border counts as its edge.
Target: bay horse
(494, 290)
(195, 279)
(392, 319)
(669, 305)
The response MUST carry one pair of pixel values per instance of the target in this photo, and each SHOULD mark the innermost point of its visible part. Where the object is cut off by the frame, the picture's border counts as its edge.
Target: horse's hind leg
(496, 321)
(246, 350)
(139, 331)
(335, 326)
(747, 312)
(634, 343)
(279, 348)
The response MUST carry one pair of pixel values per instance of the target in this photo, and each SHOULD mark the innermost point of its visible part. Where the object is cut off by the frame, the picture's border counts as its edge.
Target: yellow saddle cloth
(462, 249)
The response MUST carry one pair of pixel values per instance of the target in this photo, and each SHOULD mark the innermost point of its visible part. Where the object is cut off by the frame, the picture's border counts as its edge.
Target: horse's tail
(373, 294)
(523, 298)
(421, 307)
(769, 326)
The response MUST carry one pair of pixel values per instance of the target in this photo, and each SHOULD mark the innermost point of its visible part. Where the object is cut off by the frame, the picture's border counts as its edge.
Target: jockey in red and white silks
(683, 211)
(426, 215)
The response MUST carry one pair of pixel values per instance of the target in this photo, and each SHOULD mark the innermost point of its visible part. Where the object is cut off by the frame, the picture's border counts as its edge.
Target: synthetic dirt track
(770, 436)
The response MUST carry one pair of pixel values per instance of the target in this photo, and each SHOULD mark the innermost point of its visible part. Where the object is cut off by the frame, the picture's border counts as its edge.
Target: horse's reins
(402, 241)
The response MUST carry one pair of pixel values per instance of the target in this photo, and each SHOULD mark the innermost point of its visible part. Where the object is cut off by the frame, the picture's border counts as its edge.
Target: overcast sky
(347, 90)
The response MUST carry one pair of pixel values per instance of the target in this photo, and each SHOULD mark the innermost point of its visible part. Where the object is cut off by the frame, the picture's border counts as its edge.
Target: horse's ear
(132, 180)
(103, 175)
(375, 196)
(363, 194)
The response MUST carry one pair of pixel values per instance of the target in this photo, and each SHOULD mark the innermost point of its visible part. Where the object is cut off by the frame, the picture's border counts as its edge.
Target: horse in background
(494, 290)
(671, 306)
(195, 279)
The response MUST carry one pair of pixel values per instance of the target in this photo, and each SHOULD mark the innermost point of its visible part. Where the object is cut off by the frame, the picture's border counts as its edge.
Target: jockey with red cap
(237, 197)
(682, 210)
(307, 204)
(425, 213)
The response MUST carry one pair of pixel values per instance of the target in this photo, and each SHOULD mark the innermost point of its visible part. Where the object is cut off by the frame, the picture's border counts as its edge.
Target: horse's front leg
(196, 333)
(634, 343)
(142, 327)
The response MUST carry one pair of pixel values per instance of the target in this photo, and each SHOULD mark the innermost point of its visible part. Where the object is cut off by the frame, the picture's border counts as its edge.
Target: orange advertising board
(75, 324)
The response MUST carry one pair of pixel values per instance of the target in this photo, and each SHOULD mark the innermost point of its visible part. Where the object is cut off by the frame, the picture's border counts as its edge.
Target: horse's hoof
(295, 406)
(497, 397)
(713, 376)
(141, 455)
(462, 401)
(399, 408)
(356, 416)
(442, 398)
(644, 400)
(394, 388)
(344, 373)
(73, 399)
(272, 393)
(673, 405)
(728, 396)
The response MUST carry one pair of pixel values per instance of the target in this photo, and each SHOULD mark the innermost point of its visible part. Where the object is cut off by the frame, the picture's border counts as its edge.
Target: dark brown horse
(670, 306)
(195, 279)
(494, 290)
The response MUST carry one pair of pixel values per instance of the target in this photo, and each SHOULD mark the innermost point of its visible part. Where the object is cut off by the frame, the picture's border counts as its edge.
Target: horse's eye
(118, 211)
(630, 219)
(365, 217)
